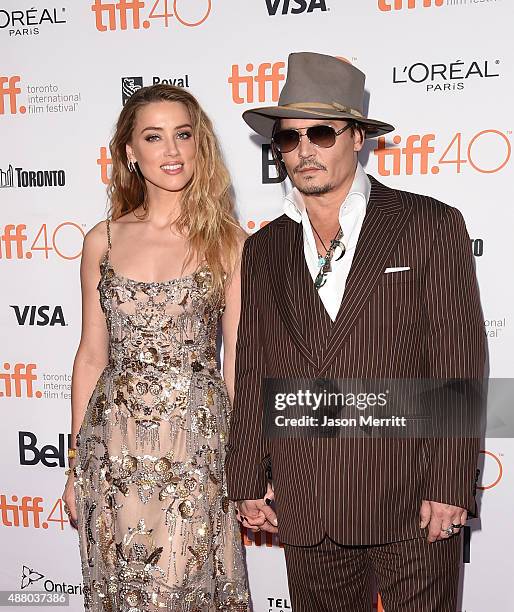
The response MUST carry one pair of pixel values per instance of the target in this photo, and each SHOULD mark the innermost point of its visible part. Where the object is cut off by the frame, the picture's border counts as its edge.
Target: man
(354, 280)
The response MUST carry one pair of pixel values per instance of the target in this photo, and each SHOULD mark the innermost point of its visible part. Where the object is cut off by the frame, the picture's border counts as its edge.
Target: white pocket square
(400, 269)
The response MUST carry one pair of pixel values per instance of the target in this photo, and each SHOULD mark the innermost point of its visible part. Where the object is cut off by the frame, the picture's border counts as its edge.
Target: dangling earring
(131, 166)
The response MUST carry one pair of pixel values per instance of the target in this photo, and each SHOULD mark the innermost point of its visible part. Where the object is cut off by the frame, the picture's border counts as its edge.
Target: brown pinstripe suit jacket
(426, 322)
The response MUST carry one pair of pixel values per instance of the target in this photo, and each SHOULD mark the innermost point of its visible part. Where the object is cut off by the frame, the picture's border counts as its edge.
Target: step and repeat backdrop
(440, 71)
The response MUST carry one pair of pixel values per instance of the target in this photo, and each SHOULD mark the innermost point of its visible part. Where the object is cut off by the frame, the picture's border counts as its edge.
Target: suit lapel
(286, 265)
(382, 227)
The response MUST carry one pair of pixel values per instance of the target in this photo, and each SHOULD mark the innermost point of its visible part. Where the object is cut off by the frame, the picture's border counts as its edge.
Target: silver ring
(456, 525)
(449, 530)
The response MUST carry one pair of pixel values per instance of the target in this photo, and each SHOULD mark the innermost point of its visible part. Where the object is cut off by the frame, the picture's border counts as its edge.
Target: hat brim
(262, 120)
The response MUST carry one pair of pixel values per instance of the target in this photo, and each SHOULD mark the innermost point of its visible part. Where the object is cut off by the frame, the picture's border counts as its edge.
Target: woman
(156, 528)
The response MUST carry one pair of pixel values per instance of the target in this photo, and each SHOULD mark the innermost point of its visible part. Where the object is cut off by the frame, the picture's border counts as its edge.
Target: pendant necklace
(325, 261)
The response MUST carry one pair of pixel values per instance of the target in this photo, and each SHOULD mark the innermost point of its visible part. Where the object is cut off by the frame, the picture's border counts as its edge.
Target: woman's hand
(69, 500)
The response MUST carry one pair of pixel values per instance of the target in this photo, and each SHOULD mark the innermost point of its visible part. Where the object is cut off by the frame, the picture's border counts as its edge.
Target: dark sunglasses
(320, 135)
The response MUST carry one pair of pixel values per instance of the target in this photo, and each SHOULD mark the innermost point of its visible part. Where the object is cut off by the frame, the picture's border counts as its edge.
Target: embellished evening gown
(156, 528)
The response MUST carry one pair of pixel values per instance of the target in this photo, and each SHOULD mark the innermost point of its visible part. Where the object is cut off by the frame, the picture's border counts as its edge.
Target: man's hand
(438, 517)
(257, 514)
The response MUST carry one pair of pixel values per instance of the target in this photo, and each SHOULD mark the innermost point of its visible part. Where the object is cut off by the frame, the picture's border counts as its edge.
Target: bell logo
(9, 89)
(49, 455)
(295, 6)
(269, 168)
(20, 381)
(398, 5)
(416, 148)
(266, 73)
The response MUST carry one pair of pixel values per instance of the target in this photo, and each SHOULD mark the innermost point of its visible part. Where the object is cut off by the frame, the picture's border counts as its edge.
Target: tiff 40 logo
(28, 512)
(65, 241)
(487, 152)
(134, 14)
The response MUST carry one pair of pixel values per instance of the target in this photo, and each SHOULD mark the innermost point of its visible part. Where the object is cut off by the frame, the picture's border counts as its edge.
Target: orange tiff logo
(416, 149)
(105, 163)
(28, 511)
(486, 152)
(10, 91)
(19, 382)
(493, 481)
(131, 14)
(398, 5)
(46, 240)
(244, 86)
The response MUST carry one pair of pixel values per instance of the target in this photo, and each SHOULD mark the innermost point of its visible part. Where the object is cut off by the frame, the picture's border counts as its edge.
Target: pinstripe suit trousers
(411, 576)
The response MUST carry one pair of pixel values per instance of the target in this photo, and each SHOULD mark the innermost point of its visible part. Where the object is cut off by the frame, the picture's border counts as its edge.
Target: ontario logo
(452, 76)
(486, 152)
(31, 576)
(136, 14)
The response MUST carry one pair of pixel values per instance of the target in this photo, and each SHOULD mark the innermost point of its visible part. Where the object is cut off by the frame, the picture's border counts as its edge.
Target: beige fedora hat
(318, 87)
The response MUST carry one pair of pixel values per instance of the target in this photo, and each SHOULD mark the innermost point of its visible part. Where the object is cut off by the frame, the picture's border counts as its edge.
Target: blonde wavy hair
(207, 207)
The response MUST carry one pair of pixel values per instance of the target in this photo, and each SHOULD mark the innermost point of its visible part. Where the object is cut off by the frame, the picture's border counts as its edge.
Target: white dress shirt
(351, 216)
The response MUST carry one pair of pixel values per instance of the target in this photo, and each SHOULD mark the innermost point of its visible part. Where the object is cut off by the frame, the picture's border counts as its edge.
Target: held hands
(442, 520)
(257, 514)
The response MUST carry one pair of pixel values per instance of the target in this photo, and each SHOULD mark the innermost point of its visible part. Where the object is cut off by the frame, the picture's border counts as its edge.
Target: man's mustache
(309, 164)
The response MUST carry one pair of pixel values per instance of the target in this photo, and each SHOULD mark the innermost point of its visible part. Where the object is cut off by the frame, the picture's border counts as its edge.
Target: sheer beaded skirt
(156, 529)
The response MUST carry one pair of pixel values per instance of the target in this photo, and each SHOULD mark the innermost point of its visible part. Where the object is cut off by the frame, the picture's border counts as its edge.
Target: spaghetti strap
(108, 224)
